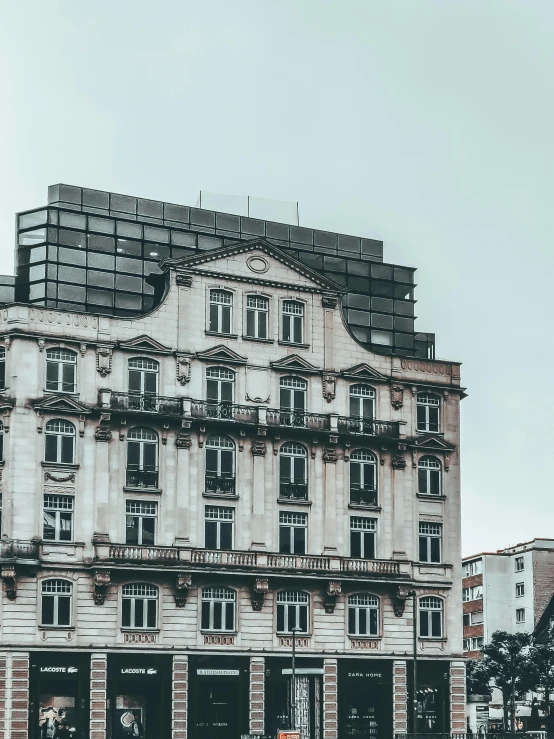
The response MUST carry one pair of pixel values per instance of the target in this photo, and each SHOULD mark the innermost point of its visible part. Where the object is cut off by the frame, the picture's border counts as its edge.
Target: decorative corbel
(259, 589)
(10, 582)
(259, 448)
(103, 360)
(41, 344)
(102, 579)
(183, 279)
(398, 462)
(40, 421)
(103, 431)
(83, 349)
(329, 387)
(330, 455)
(183, 370)
(183, 439)
(329, 300)
(446, 462)
(81, 426)
(399, 602)
(397, 396)
(7, 343)
(182, 587)
(330, 596)
(6, 421)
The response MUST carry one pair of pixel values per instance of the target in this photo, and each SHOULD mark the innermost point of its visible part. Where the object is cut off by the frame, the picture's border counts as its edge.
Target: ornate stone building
(235, 446)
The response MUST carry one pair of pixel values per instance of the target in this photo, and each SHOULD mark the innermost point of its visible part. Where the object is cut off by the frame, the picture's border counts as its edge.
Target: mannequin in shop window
(136, 726)
(49, 727)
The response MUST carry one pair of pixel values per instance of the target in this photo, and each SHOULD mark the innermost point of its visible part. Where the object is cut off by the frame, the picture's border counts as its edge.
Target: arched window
(143, 384)
(430, 617)
(363, 477)
(139, 606)
(292, 611)
(362, 407)
(218, 609)
(292, 322)
(363, 615)
(428, 412)
(429, 476)
(292, 401)
(220, 391)
(257, 312)
(142, 458)
(59, 441)
(2, 368)
(60, 370)
(293, 471)
(220, 465)
(56, 603)
(221, 309)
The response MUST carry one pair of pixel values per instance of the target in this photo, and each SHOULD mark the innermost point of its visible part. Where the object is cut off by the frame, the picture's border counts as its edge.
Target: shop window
(221, 310)
(363, 478)
(61, 371)
(220, 390)
(59, 442)
(430, 617)
(362, 406)
(292, 532)
(139, 606)
(141, 517)
(292, 322)
(143, 383)
(363, 532)
(257, 313)
(58, 518)
(363, 615)
(218, 609)
(430, 535)
(292, 611)
(219, 527)
(142, 458)
(56, 603)
(292, 401)
(293, 471)
(428, 412)
(220, 465)
(429, 476)
(2, 368)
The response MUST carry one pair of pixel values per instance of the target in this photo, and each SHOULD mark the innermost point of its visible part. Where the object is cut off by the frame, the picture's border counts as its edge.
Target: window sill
(55, 542)
(226, 336)
(260, 341)
(362, 507)
(364, 637)
(42, 627)
(434, 433)
(148, 491)
(217, 632)
(60, 465)
(62, 393)
(435, 639)
(426, 496)
(291, 501)
(431, 564)
(293, 343)
(137, 629)
(289, 635)
(220, 496)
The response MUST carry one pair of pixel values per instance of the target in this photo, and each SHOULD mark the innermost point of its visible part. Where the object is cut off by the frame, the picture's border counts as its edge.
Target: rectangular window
(466, 620)
(466, 595)
(257, 312)
(58, 518)
(476, 643)
(519, 564)
(476, 618)
(219, 527)
(221, 305)
(520, 615)
(467, 645)
(293, 322)
(473, 568)
(477, 593)
(141, 522)
(292, 532)
(430, 542)
(363, 533)
(520, 589)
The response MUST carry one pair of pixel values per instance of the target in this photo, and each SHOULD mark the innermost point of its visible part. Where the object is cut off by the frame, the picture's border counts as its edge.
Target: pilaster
(330, 508)
(257, 695)
(259, 450)
(98, 695)
(457, 696)
(179, 698)
(330, 714)
(399, 697)
(17, 698)
(3, 688)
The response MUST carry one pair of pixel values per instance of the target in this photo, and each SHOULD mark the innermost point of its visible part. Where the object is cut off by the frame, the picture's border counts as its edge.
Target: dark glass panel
(252, 226)
(101, 261)
(209, 242)
(72, 274)
(361, 318)
(357, 301)
(302, 235)
(349, 243)
(100, 297)
(160, 235)
(202, 217)
(406, 341)
(101, 279)
(404, 308)
(67, 449)
(156, 252)
(129, 247)
(151, 614)
(370, 247)
(96, 199)
(334, 264)
(383, 305)
(226, 536)
(325, 239)
(352, 621)
(103, 225)
(126, 282)
(152, 208)
(101, 243)
(183, 238)
(362, 334)
(358, 268)
(126, 612)
(176, 212)
(299, 540)
(280, 617)
(71, 293)
(123, 203)
(211, 535)
(48, 610)
(72, 256)
(126, 264)
(315, 261)
(132, 530)
(205, 623)
(382, 288)
(403, 275)
(73, 220)
(423, 549)
(359, 284)
(227, 221)
(403, 292)
(381, 271)
(72, 238)
(378, 320)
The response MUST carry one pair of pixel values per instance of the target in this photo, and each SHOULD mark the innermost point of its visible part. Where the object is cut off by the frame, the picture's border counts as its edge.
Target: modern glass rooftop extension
(99, 252)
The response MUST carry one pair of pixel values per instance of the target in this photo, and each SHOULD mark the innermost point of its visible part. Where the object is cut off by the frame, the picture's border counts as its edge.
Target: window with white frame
(141, 519)
(257, 315)
(520, 615)
(430, 535)
(61, 367)
(475, 593)
(221, 310)
(219, 527)
(428, 412)
(476, 643)
(139, 606)
(466, 645)
(363, 615)
(429, 476)
(293, 471)
(292, 611)
(57, 514)
(220, 465)
(363, 533)
(218, 609)
(2, 368)
(362, 403)
(59, 442)
(430, 617)
(142, 458)
(292, 532)
(292, 401)
(363, 477)
(143, 383)
(520, 589)
(56, 603)
(476, 618)
(475, 567)
(519, 564)
(220, 385)
(292, 328)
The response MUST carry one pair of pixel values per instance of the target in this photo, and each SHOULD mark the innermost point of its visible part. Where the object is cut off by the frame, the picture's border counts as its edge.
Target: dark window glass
(126, 612)
(101, 243)
(126, 228)
(73, 220)
(72, 274)
(47, 610)
(72, 238)
(403, 308)
(126, 282)
(226, 535)
(211, 534)
(100, 297)
(72, 256)
(129, 248)
(64, 615)
(385, 289)
(100, 279)
(129, 302)
(71, 293)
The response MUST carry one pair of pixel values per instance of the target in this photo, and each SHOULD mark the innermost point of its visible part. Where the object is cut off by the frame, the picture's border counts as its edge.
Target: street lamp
(294, 630)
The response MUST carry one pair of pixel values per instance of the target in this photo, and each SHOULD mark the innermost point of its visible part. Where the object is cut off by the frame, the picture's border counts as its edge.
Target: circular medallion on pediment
(257, 264)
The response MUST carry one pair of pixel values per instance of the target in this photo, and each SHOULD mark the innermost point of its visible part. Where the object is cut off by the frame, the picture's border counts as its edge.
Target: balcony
(147, 403)
(293, 490)
(220, 485)
(224, 411)
(141, 478)
(368, 427)
(298, 419)
(360, 495)
(12, 550)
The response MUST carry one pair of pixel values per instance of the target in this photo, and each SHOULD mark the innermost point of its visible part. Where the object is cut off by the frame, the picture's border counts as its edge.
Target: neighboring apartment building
(210, 456)
(506, 590)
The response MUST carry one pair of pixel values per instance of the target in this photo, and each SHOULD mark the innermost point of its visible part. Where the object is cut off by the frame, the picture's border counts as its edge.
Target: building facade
(191, 486)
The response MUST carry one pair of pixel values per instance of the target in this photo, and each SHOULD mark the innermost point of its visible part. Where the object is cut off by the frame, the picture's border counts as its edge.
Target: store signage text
(63, 670)
(139, 671)
(210, 673)
(365, 674)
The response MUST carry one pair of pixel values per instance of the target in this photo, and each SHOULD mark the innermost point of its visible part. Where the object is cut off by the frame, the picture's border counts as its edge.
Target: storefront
(139, 696)
(365, 698)
(308, 696)
(218, 697)
(433, 697)
(59, 695)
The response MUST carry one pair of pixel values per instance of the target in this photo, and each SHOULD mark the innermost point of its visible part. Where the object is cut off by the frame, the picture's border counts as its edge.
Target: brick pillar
(399, 697)
(179, 697)
(98, 694)
(17, 674)
(257, 695)
(330, 718)
(457, 696)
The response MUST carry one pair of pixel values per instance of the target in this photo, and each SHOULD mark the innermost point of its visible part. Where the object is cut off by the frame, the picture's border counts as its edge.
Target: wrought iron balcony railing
(147, 403)
(141, 478)
(19, 549)
(297, 419)
(293, 490)
(224, 411)
(360, 495)
(220, 485)
(368, 427)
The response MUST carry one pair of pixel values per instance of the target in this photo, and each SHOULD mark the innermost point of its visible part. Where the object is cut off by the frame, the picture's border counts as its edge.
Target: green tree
(538, 672)
(477, 678)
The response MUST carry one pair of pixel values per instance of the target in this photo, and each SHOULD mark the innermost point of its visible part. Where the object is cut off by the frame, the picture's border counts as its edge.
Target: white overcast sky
(428, 124)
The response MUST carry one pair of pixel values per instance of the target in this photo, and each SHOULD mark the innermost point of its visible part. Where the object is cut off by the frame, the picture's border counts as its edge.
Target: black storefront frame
(365, 698)
(59, 675)
(433, 691)
(278, 694)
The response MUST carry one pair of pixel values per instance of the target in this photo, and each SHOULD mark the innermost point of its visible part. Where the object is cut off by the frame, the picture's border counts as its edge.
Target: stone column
(17, 695)
(257, 695)
(330, 500)
(399, 697)
(98, 694)
(457, 696)
(259, 450)
(330, 713)
(179, 698)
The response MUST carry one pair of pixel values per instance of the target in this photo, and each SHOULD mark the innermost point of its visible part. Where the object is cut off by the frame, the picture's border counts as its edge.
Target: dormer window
(293, 322)
(221, 310)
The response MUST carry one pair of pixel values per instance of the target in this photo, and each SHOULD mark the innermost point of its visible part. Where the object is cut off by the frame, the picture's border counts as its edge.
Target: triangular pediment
(432, 443)
(144, 343)
(61, 404)
(363, 372)
(221, 353)
(294, 362)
